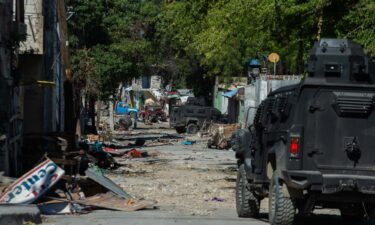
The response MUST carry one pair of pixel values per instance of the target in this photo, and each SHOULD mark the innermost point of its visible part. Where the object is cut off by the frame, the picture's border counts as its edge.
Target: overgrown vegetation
(190, 41)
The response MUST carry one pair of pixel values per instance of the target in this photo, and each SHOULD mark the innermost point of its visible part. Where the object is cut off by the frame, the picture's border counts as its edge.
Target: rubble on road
(75, 194)
(146, 137)
(134, 153)
(83, 189)
(104, 166)
(107, 183)
(220, 135)
(112, 201)
(62, 206)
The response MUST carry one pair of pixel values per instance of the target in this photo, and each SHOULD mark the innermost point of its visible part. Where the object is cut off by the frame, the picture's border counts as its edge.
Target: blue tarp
(230, 94)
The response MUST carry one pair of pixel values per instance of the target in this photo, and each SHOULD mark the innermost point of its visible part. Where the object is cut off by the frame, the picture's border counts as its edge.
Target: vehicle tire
(281, 210)
(247, 204)
(192, 128)
(180, 130)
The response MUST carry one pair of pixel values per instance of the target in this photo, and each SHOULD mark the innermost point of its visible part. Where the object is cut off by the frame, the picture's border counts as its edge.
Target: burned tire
(247, 204)
(192, 128)
(281, 208)
(180, 130)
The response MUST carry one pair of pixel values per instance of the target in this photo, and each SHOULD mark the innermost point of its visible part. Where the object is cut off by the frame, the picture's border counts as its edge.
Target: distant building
(147, 82)
(239, 100)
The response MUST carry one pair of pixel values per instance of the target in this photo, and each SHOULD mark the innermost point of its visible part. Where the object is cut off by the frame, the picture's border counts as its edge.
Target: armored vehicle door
(339, 134)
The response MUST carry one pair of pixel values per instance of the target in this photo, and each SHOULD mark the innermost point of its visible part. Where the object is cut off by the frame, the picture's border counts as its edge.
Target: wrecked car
(311, 144)
(191, 118)
(152, 113)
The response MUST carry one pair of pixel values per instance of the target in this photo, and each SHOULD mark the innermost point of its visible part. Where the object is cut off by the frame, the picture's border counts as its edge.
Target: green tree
(358, 24)
(116, 37)
(191, 41)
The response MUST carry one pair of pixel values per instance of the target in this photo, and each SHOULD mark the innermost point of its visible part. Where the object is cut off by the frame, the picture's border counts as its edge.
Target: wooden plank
(112, 201)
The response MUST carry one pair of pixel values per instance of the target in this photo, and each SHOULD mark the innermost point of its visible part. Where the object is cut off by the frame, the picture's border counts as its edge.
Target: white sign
(33, 184)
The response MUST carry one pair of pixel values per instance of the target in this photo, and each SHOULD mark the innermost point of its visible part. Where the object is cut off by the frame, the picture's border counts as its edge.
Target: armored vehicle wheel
(281, 209)
(247, 204)
(192, 128)
(180, 130)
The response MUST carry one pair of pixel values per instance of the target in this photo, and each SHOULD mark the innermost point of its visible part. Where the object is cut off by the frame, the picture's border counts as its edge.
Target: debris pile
(220, 135)
(75, 182)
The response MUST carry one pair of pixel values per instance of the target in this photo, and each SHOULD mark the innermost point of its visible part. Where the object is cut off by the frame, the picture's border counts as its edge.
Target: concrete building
(147, 82)
(239, 100)
(12, 31)
(39, 91)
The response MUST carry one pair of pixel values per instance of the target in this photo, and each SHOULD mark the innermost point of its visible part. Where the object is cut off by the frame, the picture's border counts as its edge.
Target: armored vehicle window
(332, 70)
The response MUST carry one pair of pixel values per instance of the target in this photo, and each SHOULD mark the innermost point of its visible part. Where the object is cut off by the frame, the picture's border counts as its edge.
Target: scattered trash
(139, 142)
(220, 135)
(98, 155)
(134, 153)
(58, 207)
(188, 142)
(107, 183)
(33, 184)
(93, 137)
(217, 199)
(113, 151)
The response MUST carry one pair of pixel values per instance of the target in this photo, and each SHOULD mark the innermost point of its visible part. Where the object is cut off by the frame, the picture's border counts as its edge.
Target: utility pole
(68, 120)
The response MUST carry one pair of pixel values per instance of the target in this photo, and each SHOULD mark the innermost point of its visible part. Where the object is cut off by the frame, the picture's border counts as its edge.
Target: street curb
(19, 214)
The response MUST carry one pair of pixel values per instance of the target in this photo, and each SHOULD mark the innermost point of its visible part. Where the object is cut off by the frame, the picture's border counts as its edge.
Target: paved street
(158, 217)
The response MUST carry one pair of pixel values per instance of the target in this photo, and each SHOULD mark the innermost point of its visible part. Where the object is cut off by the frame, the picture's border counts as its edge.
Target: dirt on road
(188, 180)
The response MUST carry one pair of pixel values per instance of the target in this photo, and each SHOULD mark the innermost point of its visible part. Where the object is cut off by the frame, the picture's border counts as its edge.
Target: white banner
(33, 184)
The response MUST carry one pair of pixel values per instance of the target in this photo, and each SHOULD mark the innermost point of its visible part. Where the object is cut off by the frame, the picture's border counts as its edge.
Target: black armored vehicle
(191, 118)
(312, 145)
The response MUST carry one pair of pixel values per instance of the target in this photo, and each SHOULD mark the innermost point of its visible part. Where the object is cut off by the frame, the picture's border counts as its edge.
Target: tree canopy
(195, 40)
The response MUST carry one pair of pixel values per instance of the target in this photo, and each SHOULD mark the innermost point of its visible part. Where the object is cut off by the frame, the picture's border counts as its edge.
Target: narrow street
(191, 183)
(187, 112)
